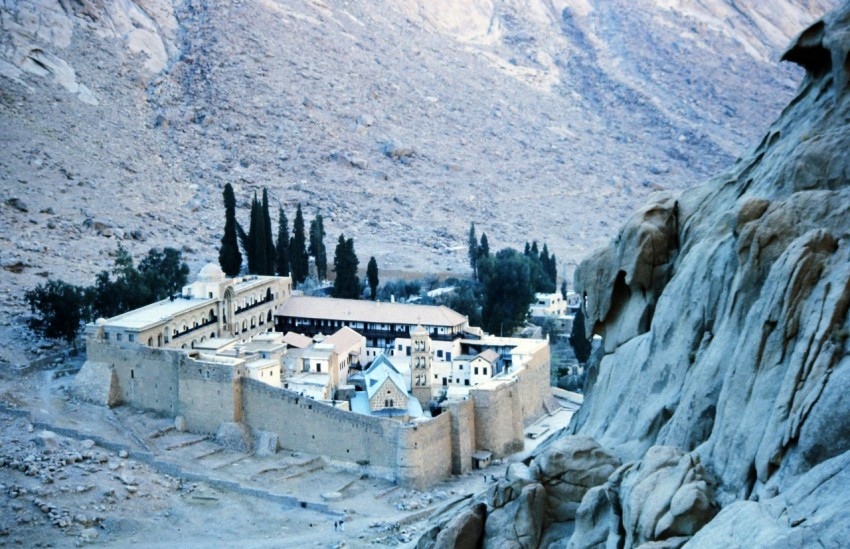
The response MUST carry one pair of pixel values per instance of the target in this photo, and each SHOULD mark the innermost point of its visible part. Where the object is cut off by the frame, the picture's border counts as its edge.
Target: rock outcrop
(724, 313)
(726, 359)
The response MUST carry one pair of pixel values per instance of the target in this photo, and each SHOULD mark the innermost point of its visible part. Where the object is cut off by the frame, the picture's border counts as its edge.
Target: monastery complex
(408, 392)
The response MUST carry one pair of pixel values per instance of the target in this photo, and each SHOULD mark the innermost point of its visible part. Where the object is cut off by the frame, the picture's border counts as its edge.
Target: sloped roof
(344, 339)
(298, 341)
(381, 370)
(357, 310)
(490, 355)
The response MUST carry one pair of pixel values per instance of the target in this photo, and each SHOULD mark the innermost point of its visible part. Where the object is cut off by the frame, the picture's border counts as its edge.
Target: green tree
(472, 251)
(58, 308)
(282, 246)
(317, 246)
(581, 345)
(298, 258)
(229, 256)
(346, 283)
(256, 246)
(508, 291)
(564, 289)
(372, 277)
(483, 248)
(164, 273)
(268, 240)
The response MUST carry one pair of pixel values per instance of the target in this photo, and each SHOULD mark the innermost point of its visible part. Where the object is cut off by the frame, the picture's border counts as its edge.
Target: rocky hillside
(717, 413)
(401, 121)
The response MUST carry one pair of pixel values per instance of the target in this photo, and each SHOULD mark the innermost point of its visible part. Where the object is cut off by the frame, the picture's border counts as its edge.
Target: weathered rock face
(721, 385)
(724, 313)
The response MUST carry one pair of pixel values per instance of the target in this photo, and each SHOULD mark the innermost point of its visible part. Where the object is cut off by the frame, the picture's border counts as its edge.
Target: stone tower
(420, 365)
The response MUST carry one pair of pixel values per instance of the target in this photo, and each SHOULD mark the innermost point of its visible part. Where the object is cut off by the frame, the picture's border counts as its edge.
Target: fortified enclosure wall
(208, 393)
(306, 425)
(424, 451)
(147, 377)
(534, 385)
(462, 414)
(498, 417)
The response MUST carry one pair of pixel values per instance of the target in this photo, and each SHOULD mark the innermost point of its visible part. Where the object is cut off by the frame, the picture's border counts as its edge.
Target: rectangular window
(117, 337)
(460, 367)
(448, 356)
(408, 351)
(445, 382)
(466, 382)
(476, 370)
(131, 338)
(399, 347)
(439, 353)
(485, 371)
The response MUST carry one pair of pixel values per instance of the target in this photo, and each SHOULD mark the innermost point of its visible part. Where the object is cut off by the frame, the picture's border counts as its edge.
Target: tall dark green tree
(282, 245)
(317, 246)
(298, 259)
(372, 277)
(472, 251)
(268, 239)
(484, 247)
(229, 256)
(508, 291)
(564, 289)
(346, 283)
(581, 345)
(57, 308)
(255, 244)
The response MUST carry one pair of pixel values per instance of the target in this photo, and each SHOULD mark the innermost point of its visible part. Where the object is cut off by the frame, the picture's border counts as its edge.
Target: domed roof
(210, 272)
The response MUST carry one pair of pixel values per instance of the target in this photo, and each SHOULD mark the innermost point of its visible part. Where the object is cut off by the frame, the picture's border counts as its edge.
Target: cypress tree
(484, 247)
(472, 252)
(346, 283)
(282, 246)
(298, 259)
(268, 239)
(317, 246)
(372, 277)
(256, 243)
(229, 256)
(578, 339)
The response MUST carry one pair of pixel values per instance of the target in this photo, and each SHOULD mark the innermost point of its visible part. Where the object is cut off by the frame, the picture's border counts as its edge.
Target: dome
(211, 272)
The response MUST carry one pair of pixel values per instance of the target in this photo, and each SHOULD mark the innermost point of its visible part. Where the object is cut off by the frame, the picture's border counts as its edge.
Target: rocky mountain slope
(721, 384)
(400, 121)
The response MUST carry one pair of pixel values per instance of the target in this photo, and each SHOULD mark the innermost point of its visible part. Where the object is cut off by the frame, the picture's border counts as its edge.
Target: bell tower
(420, 365)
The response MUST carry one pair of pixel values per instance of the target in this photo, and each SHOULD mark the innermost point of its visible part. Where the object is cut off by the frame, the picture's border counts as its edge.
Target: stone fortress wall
(208, 391)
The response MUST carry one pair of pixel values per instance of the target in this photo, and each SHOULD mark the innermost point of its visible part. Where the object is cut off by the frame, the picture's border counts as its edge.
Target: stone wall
(498, 417)
(424, 453)
(462, 414)
(534, 385)
(147, 377)
(209, 394)
(305, 425)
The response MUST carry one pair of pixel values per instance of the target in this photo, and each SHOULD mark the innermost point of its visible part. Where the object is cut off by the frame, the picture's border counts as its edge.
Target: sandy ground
(73, 474)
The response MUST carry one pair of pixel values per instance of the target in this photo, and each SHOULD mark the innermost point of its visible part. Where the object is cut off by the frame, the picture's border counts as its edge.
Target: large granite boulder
(663, 496)
(567, 470)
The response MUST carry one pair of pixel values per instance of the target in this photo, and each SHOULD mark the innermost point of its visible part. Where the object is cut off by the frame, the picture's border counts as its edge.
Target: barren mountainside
(716, 413)
(400, 121)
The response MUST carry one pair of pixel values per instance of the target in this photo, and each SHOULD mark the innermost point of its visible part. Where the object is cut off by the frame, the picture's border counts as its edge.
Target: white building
(211, 307)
